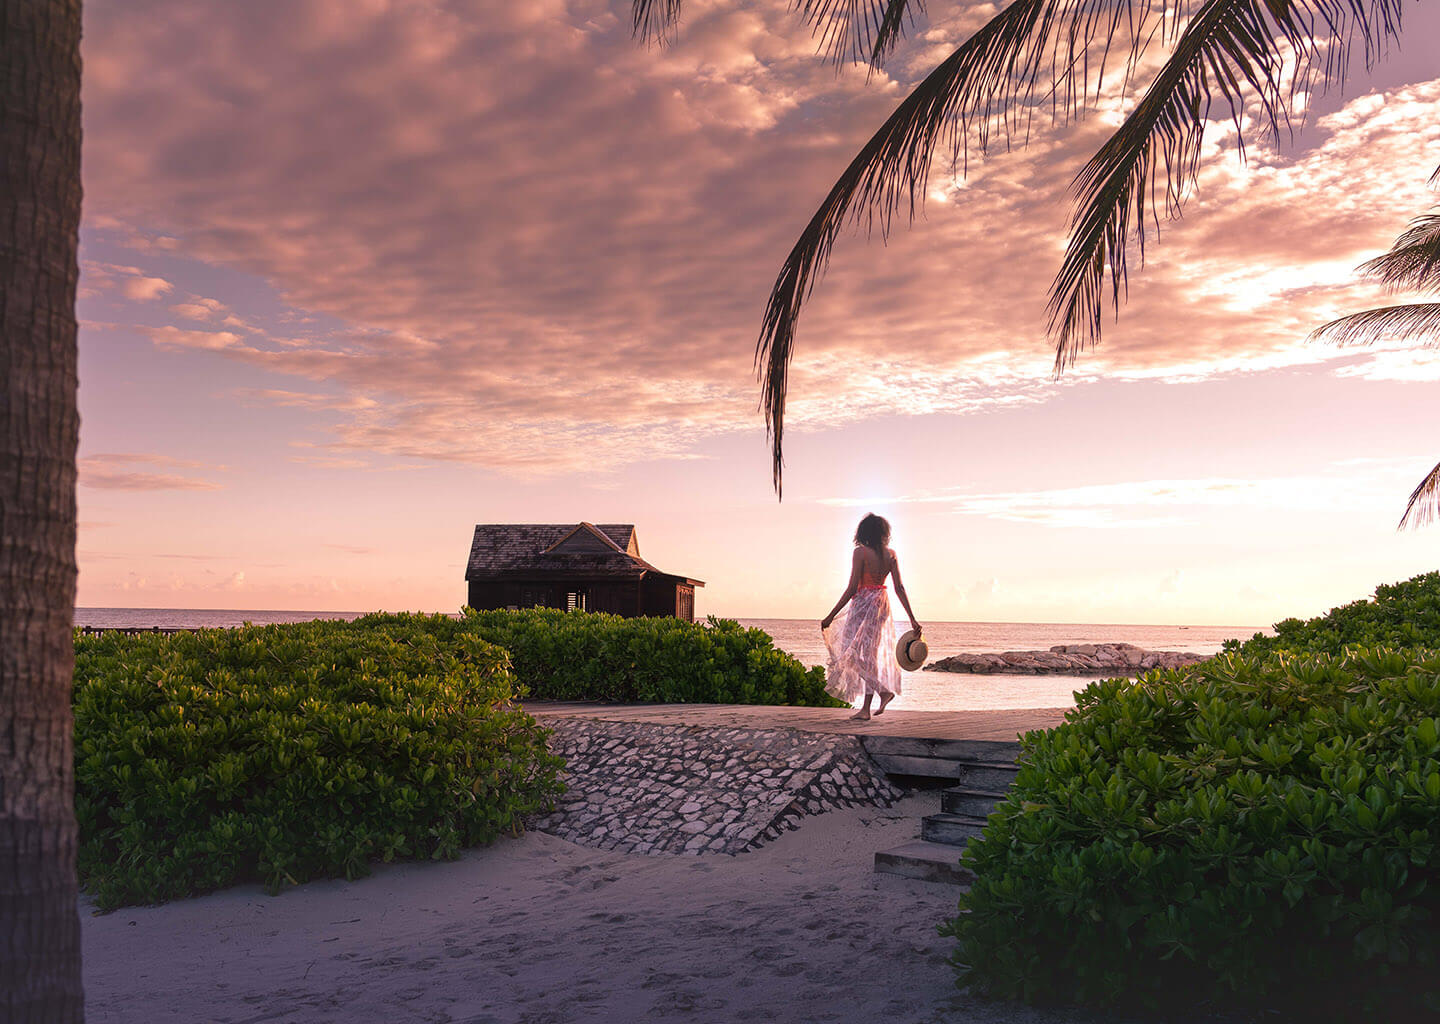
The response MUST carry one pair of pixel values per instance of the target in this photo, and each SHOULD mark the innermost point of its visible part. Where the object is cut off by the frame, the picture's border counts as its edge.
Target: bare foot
(860, 716)
(885, 698)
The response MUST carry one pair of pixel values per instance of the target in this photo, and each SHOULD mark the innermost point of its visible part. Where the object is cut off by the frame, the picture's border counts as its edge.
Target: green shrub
(561, 655)
(1249, 832)
(1400, 615)
(286, 753)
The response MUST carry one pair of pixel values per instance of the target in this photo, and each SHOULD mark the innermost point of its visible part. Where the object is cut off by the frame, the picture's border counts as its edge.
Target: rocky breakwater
(1068, 660)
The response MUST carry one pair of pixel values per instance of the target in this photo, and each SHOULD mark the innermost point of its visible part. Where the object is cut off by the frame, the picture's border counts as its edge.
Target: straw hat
(911, 651)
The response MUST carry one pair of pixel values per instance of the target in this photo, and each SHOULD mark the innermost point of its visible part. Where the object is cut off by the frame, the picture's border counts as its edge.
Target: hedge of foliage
(563, 655)
(1400, 615)
(1250, 832)
(286, 753)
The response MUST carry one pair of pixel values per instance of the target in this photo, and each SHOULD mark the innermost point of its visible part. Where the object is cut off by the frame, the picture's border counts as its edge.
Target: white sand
(541, 931)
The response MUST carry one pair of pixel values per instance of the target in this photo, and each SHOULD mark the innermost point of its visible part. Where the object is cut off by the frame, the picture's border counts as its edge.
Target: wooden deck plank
(991, 726)
(952, 750)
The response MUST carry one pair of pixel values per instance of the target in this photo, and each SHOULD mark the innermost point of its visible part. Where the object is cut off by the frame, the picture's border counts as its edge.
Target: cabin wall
(484, 596)
(618, 597)
(666, 597)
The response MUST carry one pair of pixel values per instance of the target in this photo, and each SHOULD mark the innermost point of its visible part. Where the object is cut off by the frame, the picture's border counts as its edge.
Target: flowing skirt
(861, 643)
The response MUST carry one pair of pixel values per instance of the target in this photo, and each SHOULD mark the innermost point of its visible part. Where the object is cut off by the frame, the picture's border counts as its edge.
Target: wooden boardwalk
(986, 726)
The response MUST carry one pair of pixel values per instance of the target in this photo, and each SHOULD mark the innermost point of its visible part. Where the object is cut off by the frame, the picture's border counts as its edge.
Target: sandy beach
(539, 930)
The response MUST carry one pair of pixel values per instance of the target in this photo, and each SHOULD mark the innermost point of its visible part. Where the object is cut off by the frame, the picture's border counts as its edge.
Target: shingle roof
(537, 551)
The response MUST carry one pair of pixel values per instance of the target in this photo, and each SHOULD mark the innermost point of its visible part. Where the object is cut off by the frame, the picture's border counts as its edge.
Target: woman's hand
(825, 622)
(916, 627)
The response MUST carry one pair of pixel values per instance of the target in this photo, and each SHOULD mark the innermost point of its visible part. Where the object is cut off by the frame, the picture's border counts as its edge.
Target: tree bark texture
(39, 424)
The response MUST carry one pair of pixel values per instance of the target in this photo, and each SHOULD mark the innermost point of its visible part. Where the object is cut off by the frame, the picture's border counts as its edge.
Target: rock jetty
(1068, 660)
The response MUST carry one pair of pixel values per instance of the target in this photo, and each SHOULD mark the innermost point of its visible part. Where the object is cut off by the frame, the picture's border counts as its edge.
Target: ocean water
(957, 691)
(195, 618)
(922, 691)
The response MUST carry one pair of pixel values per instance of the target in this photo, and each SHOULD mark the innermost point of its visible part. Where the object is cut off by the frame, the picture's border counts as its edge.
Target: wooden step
(953, 829)
(995, 779)
(978, 778)
(958, 800)
(929, 862)
(976, 751)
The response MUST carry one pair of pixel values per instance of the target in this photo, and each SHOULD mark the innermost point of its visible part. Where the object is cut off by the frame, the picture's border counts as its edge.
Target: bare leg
(864, 711)
(885, 698)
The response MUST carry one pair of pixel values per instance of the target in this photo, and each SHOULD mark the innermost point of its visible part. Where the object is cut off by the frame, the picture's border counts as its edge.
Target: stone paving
(674, 789)
(1004, 726)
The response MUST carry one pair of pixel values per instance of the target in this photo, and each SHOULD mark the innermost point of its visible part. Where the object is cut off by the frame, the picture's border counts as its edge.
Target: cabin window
(533, 597)
(576, 601)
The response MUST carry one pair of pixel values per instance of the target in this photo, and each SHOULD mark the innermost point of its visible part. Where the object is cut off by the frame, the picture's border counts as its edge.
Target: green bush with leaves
(1246, 833)
(563, 655)
(1403, 614)
(293, 752)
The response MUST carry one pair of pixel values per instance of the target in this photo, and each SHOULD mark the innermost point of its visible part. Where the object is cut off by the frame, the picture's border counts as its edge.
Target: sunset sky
(360, 274)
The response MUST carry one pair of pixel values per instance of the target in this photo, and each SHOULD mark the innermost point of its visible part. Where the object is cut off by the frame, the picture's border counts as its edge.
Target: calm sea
(923, 691)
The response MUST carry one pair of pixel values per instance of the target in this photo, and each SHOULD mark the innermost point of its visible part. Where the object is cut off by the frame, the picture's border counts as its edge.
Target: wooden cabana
(578, 565)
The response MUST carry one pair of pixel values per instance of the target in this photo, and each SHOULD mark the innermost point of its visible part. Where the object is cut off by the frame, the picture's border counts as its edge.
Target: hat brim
(911, 651)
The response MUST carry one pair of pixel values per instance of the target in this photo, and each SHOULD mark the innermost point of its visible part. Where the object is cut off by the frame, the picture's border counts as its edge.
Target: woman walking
(862, 646)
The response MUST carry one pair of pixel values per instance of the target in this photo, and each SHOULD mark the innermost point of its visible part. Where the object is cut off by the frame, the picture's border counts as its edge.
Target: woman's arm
(857, 562)
(900, 592)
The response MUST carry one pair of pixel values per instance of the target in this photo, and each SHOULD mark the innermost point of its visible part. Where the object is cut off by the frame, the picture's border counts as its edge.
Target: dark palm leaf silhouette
(1039, 54)
(1412, 264)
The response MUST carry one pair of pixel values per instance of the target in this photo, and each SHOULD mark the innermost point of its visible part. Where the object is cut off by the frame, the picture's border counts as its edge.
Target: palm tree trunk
(39, 424)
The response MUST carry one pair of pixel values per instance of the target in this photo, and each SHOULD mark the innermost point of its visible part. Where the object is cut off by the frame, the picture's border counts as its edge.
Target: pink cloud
(128, 458)
(198, 309)
(110, 471)
(118, 480)
(145, 289)
(176, 337)
(552, 247)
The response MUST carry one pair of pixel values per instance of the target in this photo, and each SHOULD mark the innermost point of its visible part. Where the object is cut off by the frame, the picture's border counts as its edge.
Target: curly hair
(874, 533)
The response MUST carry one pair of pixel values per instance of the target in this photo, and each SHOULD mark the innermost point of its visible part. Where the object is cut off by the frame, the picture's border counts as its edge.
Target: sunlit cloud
(520, 260)
(128, 458)
(175, 337)
(116, 480)
(1150, 504)
(144, 289)
(112, 471)
(198, 309)
(511, 286)
(1410, 364)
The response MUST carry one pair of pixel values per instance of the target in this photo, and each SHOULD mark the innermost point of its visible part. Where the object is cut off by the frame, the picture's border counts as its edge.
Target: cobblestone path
(666, 789)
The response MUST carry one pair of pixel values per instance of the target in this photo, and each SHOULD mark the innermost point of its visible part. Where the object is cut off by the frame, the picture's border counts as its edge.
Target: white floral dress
(861, 644)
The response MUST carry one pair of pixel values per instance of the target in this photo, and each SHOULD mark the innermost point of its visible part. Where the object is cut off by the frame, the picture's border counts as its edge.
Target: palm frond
(1424, 504)
(892, 27)
(1225, 45)
(1418, 320)
(1228, 53)
(857, 30)
(887, 173)
(848, 29)
(1413, 261)
(654, 20)
(1033, 50)
(1039, 52)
